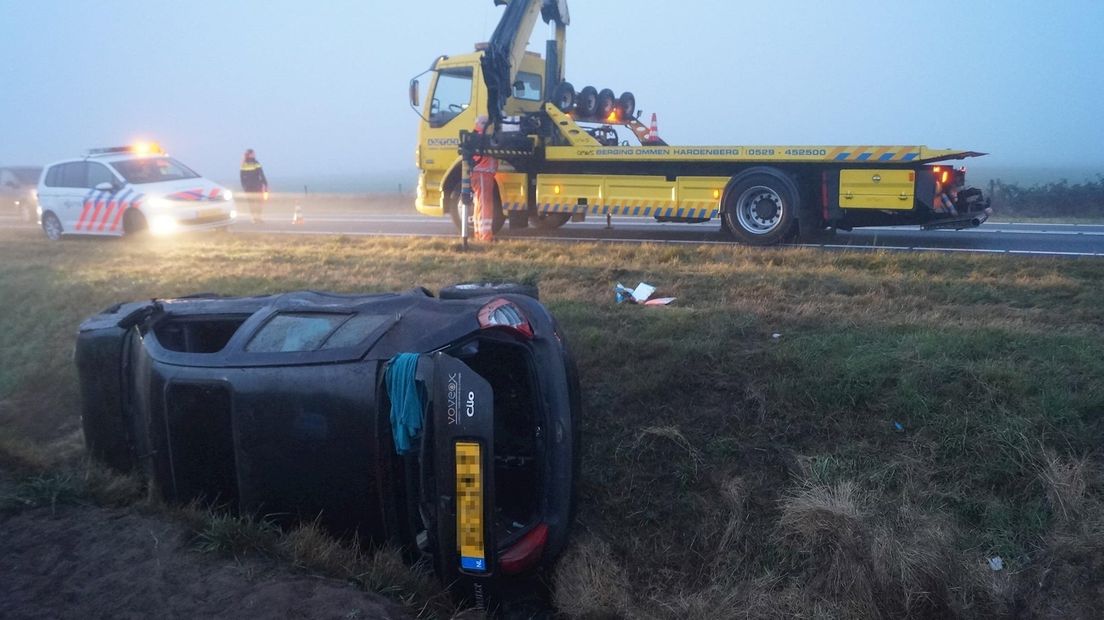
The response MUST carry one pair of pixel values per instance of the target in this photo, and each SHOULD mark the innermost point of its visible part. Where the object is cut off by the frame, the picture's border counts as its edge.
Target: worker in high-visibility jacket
(483, 189)
(254, 184)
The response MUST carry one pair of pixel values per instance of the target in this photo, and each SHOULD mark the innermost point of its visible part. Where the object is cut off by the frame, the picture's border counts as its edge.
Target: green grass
(868, 461)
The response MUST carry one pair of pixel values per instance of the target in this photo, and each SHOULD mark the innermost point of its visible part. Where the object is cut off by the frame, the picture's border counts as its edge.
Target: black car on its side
(307, 405)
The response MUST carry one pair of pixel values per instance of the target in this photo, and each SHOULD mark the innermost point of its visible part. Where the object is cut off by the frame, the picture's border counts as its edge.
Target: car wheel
(761, 206)
(607, 101)
(586, 104)
(627, 104)
(51, 225)
(473, 290)
(549, 221)
(134, 223)
(563, 96)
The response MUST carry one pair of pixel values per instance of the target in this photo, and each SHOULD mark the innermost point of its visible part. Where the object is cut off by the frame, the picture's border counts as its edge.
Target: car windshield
(153, 170)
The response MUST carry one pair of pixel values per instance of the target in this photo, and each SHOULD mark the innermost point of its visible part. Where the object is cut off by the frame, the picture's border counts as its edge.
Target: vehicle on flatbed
(567, 155)
(448, 425)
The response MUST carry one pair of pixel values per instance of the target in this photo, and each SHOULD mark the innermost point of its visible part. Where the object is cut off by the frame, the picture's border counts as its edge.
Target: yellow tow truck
(566, 155)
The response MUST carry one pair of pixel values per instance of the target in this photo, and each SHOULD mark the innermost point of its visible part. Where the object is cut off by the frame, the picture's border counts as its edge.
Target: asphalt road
(1019, 238)
(1046, 239)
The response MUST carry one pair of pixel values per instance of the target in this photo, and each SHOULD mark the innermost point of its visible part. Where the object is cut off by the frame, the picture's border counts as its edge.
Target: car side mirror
(415, 99)
(105, 187)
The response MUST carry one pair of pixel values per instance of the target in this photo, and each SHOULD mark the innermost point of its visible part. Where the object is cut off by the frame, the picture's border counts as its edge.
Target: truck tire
(451, 201)
(550, 221)
(586, 104)
(607, 102)
(563, 96)
(626, 103)
(473, 290)
(761, 206)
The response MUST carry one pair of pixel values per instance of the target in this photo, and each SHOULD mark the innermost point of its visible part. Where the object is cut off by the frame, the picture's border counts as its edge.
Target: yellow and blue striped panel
(637, 208)
(874, 153)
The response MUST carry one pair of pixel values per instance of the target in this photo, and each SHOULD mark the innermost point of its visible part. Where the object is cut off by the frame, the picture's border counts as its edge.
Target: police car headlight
(163, 225)
(233, 214)
(227, 195)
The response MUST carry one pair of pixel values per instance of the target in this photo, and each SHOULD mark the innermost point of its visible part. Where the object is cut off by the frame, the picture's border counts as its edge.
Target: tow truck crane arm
(506, 48)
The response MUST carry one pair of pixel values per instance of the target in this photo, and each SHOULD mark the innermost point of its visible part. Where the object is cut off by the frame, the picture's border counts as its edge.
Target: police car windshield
(153, 170)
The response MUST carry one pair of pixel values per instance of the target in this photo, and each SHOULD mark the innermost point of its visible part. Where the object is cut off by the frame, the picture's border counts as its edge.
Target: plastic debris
(996, 563)
(776, 336)
(642, 295)
(900, 427)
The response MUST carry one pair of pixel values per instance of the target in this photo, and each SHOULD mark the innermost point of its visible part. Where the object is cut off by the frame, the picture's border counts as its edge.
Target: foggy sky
(320, 88)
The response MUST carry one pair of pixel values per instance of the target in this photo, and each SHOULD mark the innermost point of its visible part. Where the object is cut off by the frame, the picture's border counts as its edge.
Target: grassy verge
(802, 433)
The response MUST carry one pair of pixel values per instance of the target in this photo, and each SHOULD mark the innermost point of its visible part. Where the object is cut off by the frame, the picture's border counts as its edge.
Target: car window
(152, 170)
(355, 330)
(289, 332)
(98, 173)
(74, 174)
(53, 176)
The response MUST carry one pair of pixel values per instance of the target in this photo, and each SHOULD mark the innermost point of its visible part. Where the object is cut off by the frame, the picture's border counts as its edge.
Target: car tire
(134, 223)
(760, 206)
(607, 102)
(551, 221)
(586, 104)
(626, 103)
(51, 225)
(474, 290)
(563, 96)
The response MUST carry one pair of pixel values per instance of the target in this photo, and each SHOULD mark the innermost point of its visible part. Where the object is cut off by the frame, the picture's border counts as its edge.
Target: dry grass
(934, 411)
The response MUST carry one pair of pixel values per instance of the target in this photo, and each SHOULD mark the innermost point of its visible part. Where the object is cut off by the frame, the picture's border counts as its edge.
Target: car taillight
(526, 552)
(503, 313)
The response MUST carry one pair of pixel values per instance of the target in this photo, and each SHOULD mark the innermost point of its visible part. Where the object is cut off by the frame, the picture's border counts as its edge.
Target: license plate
(469, 514)
(206, 213)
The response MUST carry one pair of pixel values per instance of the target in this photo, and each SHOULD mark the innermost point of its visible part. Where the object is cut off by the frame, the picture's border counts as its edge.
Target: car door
(106, 212)
(70, 195)
(51, 195)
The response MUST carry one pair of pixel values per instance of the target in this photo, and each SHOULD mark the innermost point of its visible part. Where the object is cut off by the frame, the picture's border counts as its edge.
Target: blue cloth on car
(407, 400)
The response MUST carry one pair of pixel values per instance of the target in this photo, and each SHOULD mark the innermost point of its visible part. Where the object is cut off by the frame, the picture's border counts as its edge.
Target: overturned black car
(447, 425)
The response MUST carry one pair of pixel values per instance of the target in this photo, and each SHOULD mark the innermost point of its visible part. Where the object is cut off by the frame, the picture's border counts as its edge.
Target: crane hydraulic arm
(506, 48)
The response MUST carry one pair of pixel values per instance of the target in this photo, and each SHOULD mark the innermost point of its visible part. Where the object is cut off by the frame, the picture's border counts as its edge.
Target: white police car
(127, 190)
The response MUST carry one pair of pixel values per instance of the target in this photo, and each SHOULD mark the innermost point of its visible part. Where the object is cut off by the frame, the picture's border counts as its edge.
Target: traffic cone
(653, 131)
(297, 217)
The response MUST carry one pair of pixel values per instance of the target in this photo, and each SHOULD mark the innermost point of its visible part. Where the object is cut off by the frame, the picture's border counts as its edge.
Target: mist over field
(320, 91)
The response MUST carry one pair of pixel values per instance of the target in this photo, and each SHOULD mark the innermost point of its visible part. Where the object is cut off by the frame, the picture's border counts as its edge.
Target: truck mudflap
(463, 445)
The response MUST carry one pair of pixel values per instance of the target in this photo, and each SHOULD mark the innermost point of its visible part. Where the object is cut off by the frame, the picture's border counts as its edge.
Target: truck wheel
(51, 225)
(563, 96)
(452, 203)
(627, 104)
(550, 221)
(586, 104)
(607, 101)
(760, 206)
(473, 290)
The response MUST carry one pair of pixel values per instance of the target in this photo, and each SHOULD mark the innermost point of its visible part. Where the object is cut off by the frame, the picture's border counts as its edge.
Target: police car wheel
(134, 223)
(51, 226)
(474, 290)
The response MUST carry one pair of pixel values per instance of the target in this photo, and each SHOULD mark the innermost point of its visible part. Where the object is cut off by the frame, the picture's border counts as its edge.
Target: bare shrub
(825, 524)
(590, 583)
(1065, 483)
